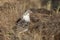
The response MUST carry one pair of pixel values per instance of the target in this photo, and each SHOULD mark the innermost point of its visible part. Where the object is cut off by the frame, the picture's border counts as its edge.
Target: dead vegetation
(44, 25)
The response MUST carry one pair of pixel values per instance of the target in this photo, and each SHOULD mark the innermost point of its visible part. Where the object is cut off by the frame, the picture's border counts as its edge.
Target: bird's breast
(26, 18)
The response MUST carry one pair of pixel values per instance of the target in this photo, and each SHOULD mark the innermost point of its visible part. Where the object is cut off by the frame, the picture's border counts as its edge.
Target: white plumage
(26, 16)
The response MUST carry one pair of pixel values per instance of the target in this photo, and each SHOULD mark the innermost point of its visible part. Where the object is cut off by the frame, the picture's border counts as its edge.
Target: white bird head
(28, 12)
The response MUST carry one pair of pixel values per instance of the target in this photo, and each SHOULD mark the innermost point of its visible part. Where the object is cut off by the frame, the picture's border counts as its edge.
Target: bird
(23, 22)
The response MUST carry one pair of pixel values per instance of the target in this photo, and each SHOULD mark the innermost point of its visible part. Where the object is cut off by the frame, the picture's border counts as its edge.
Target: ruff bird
(23, 22)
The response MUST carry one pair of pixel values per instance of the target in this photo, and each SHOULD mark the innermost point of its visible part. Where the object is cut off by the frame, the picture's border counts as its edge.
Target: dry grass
(12, 10)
